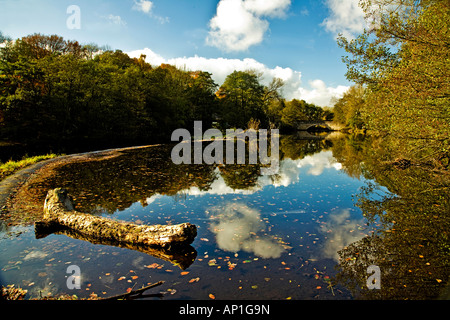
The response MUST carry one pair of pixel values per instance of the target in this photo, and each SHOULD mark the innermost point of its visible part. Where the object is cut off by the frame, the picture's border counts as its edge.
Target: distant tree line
(55, 91)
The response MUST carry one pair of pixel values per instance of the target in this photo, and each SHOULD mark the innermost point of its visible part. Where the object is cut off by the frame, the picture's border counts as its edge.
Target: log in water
(59, 211)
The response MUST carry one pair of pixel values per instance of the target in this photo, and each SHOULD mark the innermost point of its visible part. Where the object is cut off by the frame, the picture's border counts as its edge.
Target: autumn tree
(402, 58)
(348, 110)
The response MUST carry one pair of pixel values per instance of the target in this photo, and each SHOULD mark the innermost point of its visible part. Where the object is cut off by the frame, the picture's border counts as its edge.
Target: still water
(295, 235)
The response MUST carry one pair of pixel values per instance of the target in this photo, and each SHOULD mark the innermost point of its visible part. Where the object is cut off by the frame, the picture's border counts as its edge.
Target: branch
(134, 294)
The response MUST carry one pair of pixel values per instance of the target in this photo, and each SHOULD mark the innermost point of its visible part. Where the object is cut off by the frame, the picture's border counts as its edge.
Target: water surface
(296, 235)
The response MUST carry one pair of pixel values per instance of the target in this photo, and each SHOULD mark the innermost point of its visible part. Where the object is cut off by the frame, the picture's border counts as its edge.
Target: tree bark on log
(59, 211)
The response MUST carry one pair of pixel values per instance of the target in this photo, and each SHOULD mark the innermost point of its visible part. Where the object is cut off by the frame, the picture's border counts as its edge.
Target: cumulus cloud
(239, 24)
(346, 17)
(320, 94)
(220, 68)
(143, 5)
(270, 8)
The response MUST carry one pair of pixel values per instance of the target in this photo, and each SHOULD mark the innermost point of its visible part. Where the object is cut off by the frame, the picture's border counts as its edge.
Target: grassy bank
(10, 167)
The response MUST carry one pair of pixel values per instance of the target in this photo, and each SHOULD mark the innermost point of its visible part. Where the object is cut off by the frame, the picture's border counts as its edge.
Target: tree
(403, 61)
(348, 110)
(242, 98)
(297, 111)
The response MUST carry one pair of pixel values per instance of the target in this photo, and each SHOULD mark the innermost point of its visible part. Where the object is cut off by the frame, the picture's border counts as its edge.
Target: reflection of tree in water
(134, 176)
(412, 246)
(115, 183)
(293, 148)
(239, 176)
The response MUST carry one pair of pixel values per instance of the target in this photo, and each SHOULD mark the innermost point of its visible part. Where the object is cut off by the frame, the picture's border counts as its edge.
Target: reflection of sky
(290, 173)
(238, 227)
(340, 231)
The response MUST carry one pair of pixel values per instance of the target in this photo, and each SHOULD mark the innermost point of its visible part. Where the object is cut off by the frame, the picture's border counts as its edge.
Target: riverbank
(19, 196)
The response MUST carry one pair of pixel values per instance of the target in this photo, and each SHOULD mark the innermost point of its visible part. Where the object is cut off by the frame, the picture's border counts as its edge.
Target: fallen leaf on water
(194, 280)
(121, 278)
(184, 273)
(318, 287)
(129, 290)
(211, 296)
(255, 287)
(172, 291)
(134, 277)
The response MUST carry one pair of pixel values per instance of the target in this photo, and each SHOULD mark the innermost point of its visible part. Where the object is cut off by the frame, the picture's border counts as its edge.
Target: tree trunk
(59, 211)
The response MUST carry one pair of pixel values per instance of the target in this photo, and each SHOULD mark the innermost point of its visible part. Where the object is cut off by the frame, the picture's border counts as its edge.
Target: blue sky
(290, 39)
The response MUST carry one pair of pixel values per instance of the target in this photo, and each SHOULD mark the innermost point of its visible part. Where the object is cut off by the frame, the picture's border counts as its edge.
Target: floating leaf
(194, 280)
(134, 277)
(211, 296)
(212, 262)
(121, 278)
(184, 273)
(255, 287)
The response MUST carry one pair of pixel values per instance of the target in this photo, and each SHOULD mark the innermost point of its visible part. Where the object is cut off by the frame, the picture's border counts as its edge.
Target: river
(338, 206)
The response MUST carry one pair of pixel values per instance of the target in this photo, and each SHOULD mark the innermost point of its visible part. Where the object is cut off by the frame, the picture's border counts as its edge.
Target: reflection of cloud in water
(340, 232)
(239, 227)
(317, 163)
(289, 174)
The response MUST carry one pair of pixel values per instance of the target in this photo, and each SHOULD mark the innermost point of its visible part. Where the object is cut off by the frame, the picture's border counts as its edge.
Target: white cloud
(270, 8)
(143, 5)
(346, 17)
(238, 24)
(220, 68)
(320, 94)
(117, 20)
(146, 7)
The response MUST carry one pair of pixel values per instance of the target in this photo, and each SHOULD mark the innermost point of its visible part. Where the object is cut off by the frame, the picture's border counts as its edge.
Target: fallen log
(181, 256)
(59, 211)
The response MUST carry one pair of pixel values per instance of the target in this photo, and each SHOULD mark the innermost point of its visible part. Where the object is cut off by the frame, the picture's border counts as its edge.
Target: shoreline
(13, 185)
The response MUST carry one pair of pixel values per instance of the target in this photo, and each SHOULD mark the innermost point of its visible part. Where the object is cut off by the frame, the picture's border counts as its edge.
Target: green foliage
(54, 91)
(297, 111)
(242, 99)
(348, 109)
(402, 61)
(10, 167)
